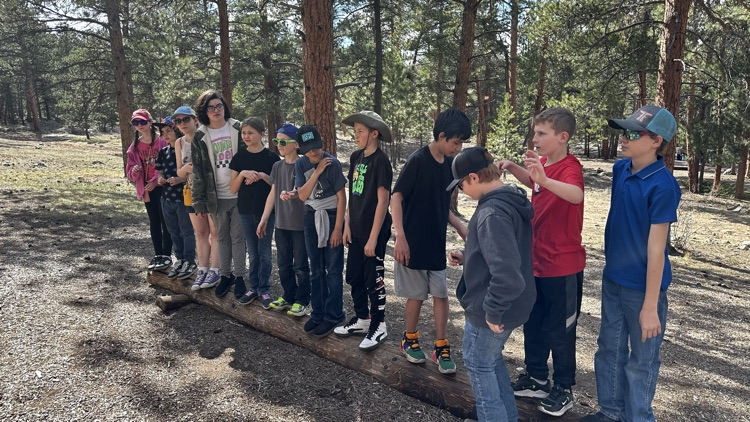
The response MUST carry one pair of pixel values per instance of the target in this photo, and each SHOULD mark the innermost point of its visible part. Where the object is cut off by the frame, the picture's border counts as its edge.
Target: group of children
(523, 260)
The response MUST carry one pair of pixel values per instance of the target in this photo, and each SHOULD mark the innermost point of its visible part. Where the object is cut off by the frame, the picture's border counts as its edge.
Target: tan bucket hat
(371, 120)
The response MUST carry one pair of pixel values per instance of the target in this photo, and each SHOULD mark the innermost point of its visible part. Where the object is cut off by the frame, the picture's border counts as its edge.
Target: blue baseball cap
(289, 130)
(187, 111)
(649, 118)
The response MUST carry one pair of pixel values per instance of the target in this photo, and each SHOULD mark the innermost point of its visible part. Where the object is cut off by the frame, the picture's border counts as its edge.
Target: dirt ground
(82, 339)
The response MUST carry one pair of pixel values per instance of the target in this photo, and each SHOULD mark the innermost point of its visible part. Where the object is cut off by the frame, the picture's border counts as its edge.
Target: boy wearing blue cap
(637, 271)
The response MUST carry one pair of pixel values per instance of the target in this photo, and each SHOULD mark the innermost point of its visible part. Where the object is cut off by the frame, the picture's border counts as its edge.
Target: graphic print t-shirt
(366, 175)
(148, 154)
(221, 148)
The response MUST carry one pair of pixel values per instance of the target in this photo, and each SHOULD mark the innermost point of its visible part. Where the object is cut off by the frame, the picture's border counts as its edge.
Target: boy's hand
(535, 167)
(161, 181)
(650, 324)
(401, 250)
(370, 247)
(150, 186)
(496, 328)
(455, 257)
(503, 164)
(322, 166)
(261, 230)
(347, 239)
(335, 239)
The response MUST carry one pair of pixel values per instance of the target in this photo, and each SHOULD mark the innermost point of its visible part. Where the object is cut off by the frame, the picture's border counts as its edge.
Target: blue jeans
(294, 269)
(180, 229)
(259, 251)
(483, 358)
(626, 377)
(326, 273)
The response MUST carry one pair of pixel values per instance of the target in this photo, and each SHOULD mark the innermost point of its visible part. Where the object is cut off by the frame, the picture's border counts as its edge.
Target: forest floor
(82, 339)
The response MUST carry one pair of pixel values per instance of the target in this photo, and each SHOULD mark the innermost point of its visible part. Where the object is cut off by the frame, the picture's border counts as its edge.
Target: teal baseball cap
(651, 118)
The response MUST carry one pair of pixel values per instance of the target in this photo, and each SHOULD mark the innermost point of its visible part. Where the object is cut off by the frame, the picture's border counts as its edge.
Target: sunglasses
(139, 122)
(179, 121)
(632, 135)
(283, 142)
(217, 107)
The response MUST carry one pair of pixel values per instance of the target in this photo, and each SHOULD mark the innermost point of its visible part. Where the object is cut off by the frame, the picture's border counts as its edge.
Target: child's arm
(347, 239)
(336, 235)
(235, 181)
(305, 190)
(566, 191)
(377, 222)
(401, 247)
(267, 210)
(517, 171)
(182, 169)
(649, 318)
(457, 224)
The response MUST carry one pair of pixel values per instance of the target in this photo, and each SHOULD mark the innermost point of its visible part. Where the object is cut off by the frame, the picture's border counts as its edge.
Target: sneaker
(188, 269)
(162, 262)
(175, 269)
(153, 262)
(211, 280)
(355, 326)
(376, 334)
(239, 287)
(299, 310)
(265, 300)
(248, 297)
(225, 283)
(526, 386)
(442, 357)
(559, 401)
(597, 417)
(280, 304)
(310, 326)
(410, 347)
(198, 280)
(325, 328)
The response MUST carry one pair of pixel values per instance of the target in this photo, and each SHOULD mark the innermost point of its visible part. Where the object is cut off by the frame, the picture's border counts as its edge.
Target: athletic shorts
(418, 284)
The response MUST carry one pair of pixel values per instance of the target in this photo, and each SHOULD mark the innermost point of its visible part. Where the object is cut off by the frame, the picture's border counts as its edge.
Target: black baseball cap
(470, 160)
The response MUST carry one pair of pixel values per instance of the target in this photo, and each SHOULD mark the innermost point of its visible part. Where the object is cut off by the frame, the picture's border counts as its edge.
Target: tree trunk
(692, 157)
(482, 120)
(642, 91)
(739, 186)
(669, 81)
(226, 73)
(540, 88)
(378, 93)
(717, 171)
(270, 84)
(465, 52)
(514, 12)
(31, 99)
(123, 78)
(317, 69)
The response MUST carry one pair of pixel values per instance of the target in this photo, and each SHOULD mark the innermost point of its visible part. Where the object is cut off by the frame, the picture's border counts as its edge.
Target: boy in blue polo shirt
(637, 272)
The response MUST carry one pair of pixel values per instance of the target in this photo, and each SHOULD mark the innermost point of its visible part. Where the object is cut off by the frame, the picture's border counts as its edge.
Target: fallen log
(385, 364)
(169, 302)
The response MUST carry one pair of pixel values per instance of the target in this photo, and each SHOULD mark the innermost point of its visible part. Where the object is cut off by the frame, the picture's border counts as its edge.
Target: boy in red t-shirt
(556, 178)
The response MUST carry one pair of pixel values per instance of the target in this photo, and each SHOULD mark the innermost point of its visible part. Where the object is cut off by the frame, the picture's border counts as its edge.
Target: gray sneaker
(175, 269)
(211, 280)
(187, 270)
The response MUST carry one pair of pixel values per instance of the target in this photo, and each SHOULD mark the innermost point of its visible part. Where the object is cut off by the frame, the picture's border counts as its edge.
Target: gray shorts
(418, 284)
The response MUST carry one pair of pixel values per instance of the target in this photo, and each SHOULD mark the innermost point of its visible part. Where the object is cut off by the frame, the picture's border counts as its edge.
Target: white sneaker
(375, 335)
(355, 326)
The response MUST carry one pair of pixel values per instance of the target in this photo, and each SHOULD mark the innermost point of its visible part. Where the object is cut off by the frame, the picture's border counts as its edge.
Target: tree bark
(739, 187)
(540, 88)
(717, 171)
(271, 88)
(224, 59)
(669, 80)
(465, 52)
(378, 33)
(692, 157)
(512, 76)
(317, 69)
(482, 120)
(31, 98)
(123, 78)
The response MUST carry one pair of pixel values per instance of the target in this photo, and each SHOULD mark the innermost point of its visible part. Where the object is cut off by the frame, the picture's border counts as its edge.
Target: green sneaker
(442, 356)
(410, 348)
(280, 304)
(299, 310)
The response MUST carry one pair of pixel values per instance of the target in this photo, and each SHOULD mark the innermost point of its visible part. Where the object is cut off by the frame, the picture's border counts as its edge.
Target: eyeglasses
(179, 121)
(632, 135)
(283, 142)
(217, 107)
(139, 122)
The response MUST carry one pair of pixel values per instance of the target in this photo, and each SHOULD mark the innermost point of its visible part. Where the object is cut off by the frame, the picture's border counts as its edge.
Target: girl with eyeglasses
(216, 141)
(141, 171)
(206, 241)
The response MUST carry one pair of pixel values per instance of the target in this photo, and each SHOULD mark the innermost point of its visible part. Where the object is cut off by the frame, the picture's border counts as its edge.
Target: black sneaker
(559, 401)
(224, 284)
(526, 386)
(175, 269)
(310, 325)
(325, 328)
(162, 262)
(187, 271)
(153, 262)
(248, 297)
(265, 300)
(239, 287)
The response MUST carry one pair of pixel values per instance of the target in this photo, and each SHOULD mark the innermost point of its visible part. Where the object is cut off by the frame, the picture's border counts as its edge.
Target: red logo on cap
(643, 116)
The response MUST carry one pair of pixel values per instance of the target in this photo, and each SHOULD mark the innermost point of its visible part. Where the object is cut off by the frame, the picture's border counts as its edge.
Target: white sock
(216, 270)
(203, 269)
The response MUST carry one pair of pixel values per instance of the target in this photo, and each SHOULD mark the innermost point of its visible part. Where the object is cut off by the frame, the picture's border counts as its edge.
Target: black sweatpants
(365, 274)
(160, 236)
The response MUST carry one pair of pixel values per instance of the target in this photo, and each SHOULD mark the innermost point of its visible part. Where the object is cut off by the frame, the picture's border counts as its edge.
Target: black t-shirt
(251, 199)
(366, 175)
(422, 183)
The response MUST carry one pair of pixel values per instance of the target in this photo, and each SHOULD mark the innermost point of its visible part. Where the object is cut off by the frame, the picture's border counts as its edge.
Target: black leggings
(157, 226)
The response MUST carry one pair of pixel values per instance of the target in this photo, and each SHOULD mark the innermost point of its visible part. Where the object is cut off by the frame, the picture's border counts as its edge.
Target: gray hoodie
(498, 284)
